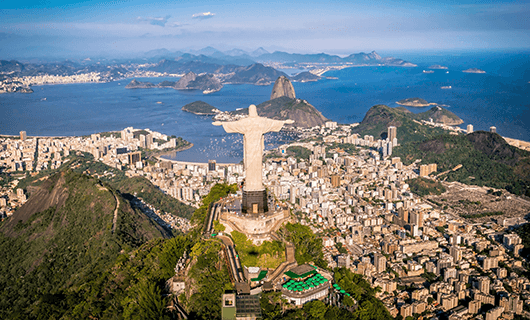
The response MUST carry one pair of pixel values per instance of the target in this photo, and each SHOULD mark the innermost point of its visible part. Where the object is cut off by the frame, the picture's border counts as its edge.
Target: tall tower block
(392, 133)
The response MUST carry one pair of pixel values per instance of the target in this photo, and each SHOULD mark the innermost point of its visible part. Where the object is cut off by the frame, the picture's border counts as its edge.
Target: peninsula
(305, 76)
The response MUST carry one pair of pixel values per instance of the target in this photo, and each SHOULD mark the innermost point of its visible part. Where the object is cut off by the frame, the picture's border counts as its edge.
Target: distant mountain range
(205, 60)
(64, 68)
(235, 66)
(241, 57)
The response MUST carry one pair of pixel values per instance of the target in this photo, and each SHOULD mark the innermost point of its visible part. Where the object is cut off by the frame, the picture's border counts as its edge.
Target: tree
(218, 227)
(317, 309)
(151, 305)
(348, 301)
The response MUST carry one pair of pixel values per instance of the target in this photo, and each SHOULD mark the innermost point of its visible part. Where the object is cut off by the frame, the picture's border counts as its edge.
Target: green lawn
(267, 255)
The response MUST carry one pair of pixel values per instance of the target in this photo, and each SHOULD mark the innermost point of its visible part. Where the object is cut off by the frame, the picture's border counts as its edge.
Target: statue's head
(252, 112)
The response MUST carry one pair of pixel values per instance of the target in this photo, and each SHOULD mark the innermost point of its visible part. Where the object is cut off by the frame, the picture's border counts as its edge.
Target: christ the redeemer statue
(253, 128)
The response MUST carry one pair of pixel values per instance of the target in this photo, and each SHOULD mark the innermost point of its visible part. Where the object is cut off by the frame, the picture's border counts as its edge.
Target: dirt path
(115, 220)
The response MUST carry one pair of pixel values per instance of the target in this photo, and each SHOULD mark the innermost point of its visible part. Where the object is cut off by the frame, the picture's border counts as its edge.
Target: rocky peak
(282, 88)
(185, 80)
(373, 55)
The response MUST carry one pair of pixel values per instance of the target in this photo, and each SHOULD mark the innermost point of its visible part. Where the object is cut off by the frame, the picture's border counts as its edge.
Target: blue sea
(500, 98)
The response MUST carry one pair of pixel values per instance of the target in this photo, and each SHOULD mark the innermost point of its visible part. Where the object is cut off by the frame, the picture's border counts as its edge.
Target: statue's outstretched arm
(232, 126)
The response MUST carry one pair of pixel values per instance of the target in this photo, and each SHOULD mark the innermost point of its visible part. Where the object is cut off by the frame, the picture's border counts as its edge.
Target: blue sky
(29, 28)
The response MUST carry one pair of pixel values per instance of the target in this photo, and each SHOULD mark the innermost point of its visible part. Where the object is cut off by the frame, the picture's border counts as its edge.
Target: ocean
(500, 98)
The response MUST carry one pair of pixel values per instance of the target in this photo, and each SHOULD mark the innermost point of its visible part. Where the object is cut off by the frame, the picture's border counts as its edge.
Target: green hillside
(65, 257)
(128, 187)
(199, 107)
(423, 186)
(62, 238)
(486, 159)
(440, 115)
(380, 117)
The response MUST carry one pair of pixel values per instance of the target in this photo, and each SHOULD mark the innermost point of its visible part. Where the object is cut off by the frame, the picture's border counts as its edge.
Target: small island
(200, 108)
(305, 76)
(135, 84)
(438, 67)
(474, 70)
(415, 102)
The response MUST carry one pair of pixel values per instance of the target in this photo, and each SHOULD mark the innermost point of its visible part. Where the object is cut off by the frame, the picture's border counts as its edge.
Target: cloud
(155, 21)
(176, 24)
(203, 15)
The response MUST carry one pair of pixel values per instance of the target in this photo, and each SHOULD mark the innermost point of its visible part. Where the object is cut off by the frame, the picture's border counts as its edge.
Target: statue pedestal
(257, 227)
(254, 202)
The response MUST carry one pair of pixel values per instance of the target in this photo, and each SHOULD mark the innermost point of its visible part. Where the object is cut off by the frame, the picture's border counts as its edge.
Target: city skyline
(57, 28)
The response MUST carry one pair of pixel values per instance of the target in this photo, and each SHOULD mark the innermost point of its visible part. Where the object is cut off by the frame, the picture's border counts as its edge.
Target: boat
(207, 91)
(446, 87)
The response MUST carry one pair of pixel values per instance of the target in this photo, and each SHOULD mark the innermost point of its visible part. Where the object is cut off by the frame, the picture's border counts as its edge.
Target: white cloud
(203, 15)
(155, 21)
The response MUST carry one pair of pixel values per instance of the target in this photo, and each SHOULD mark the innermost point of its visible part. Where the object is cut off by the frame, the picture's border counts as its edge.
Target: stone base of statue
(254, 202)
(258, 227)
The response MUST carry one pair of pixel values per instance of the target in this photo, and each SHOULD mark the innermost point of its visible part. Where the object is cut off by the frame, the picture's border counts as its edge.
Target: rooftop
(301, 271)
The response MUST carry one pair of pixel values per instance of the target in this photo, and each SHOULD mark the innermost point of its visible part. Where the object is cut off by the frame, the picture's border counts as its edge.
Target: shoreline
(521, 144)
(160, 157)
(181, 162)
(162, 153)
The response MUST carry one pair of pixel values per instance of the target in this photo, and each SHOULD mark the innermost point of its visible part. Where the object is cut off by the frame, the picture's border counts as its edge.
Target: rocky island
(135, 84)
(200, 108)
(415, 102)
(208, 83)
(474, 70)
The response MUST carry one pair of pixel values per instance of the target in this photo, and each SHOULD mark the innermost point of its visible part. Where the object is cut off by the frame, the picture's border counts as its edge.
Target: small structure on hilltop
(305, 284)
(239, 307)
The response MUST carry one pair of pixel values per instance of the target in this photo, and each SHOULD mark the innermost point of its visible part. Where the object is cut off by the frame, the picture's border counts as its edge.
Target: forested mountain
(486, 159)
(68, 233)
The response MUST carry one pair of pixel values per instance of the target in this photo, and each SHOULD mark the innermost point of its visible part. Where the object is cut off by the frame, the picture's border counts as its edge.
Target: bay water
(500, 97)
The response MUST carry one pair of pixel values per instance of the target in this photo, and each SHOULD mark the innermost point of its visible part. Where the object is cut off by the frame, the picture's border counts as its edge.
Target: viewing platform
(258, 227)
